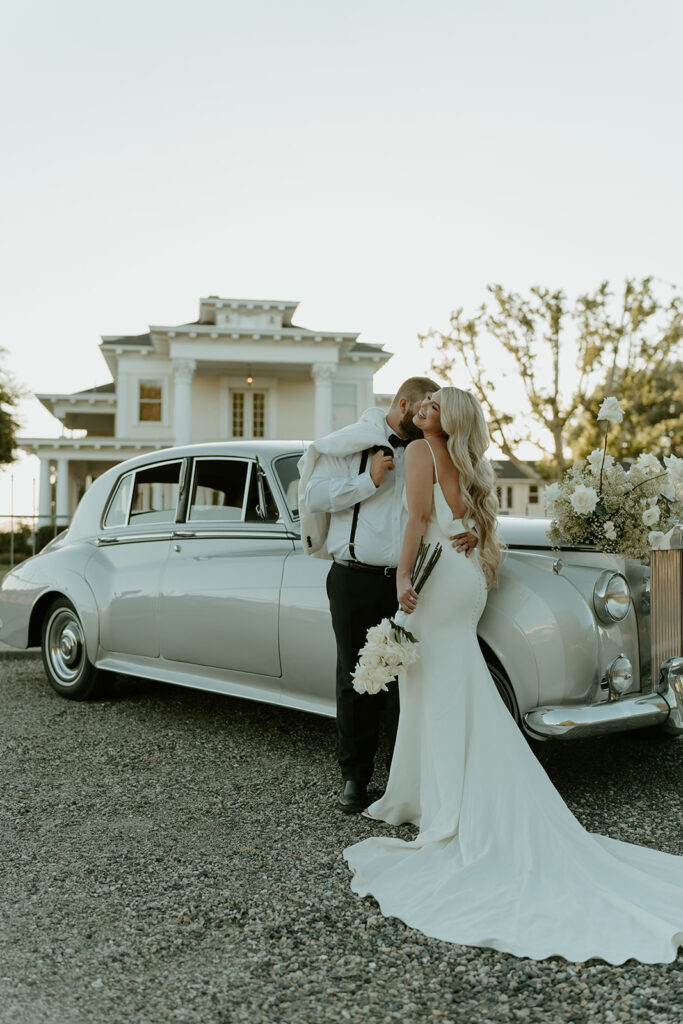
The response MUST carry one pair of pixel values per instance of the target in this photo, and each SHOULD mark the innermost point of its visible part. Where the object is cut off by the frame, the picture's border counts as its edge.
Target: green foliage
(626, 348)
(9, 396)
(23, 541)
(653, 400)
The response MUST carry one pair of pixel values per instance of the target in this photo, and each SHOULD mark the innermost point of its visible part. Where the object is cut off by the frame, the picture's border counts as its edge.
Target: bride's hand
(407, 597)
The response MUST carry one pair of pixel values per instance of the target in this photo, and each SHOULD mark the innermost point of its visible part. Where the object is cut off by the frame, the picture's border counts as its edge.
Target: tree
(653, 401)
(9, 397)
(628, 343)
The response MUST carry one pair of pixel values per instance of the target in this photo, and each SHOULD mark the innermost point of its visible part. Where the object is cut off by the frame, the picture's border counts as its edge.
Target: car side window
(155, 494)
(287, 470)
(218, 490)
(117, 512)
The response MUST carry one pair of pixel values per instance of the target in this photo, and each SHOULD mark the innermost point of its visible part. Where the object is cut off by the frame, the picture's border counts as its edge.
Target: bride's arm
(419, 494)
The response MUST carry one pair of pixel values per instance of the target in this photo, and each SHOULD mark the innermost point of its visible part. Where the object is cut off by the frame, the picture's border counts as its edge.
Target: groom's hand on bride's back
(466, 542)
(380, 464)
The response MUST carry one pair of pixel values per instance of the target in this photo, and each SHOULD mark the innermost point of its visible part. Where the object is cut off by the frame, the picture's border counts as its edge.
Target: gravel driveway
(170, 855)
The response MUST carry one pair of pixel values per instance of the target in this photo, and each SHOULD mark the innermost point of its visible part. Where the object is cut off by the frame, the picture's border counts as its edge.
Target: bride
(499, 860)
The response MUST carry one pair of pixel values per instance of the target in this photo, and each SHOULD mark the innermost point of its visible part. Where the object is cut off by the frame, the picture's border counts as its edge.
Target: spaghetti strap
(436, 472)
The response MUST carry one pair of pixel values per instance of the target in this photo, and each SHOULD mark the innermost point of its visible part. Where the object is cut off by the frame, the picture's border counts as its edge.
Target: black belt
(379, 570)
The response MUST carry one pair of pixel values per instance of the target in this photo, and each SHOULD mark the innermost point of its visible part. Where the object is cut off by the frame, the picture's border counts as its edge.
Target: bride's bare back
(449, 477)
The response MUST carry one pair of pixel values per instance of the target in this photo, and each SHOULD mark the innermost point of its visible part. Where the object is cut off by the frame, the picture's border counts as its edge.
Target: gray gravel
(176, 856)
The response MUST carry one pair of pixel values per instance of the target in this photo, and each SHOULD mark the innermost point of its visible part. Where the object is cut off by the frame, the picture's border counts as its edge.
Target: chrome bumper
(665, 708)
(571, 723)
(671, 688)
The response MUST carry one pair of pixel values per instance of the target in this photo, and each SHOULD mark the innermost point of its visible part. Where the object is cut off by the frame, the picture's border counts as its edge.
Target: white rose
(595, 460)
(374, 648)
(650, 516)
(610, 532)
(370, 661)
(648, 463)
(584, 499)
(654, 537)
(550, 495)
(610, 410)
(376, 680)
(675, 467)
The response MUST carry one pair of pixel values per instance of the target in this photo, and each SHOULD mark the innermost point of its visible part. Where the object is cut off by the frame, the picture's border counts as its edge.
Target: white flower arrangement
(600, 504)
(386, 653)
(390, 648)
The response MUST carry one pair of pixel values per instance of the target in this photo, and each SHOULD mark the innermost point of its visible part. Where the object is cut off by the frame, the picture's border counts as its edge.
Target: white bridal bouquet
(623, 511)
(390, 647)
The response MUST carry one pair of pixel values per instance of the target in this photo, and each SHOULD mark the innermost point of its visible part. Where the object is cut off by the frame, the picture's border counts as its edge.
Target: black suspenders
(356, 509)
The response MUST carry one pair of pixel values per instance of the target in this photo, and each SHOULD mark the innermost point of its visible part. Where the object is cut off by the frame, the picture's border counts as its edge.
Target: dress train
(499, 861)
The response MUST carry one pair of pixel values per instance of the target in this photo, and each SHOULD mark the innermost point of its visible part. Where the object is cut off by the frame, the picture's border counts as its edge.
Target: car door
(307, 645)
(132, 548)
(220, 587)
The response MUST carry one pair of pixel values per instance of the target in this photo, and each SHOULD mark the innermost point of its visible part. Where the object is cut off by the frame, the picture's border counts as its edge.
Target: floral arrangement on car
(616, 510)
(390, 647)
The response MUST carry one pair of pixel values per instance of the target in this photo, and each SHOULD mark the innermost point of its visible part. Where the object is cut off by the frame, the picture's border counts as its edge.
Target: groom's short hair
(414, 389)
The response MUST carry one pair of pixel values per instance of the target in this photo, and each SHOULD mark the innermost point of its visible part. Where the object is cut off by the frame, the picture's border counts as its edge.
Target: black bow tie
(398, 442)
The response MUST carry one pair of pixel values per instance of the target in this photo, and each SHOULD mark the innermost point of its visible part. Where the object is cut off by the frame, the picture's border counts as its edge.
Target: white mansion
(242, 370)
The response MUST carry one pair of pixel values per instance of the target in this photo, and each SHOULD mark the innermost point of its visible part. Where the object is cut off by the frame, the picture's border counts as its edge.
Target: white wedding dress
(499, 861)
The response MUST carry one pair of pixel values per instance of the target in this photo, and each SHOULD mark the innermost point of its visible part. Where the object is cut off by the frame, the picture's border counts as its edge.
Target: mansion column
(122, 427)
(183, 371)
(62, 504)
(323, 374)
(44, 494)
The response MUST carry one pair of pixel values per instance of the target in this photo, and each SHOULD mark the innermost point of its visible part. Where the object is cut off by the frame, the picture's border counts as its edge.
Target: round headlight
(620, 675)
(611, 597)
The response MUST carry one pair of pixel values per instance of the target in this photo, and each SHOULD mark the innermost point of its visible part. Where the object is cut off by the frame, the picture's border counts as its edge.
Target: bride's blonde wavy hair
(463, 420)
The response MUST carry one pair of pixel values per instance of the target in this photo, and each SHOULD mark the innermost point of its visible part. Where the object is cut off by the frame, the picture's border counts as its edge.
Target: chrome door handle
(182, 534)
(101, 541)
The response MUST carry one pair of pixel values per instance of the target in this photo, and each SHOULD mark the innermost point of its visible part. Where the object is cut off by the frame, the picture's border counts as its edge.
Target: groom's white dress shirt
(336, 485)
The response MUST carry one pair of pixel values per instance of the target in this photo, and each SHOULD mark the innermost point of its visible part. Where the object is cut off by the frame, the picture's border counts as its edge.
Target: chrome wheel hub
(65, 646)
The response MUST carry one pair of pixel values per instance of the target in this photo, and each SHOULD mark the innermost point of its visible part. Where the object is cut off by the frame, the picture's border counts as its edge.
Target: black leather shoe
(353, 797)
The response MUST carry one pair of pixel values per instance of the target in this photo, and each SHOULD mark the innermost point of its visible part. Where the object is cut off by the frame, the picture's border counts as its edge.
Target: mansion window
(533, 494)
(149, 401)
(248, 414)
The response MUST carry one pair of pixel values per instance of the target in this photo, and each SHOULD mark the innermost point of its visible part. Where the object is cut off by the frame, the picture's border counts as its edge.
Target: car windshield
(286, 469)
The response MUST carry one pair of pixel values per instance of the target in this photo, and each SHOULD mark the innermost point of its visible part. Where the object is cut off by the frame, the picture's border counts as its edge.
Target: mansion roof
(244, 330)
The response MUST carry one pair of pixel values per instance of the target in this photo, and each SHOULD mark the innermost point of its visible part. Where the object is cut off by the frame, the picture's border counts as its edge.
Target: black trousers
(359, 600)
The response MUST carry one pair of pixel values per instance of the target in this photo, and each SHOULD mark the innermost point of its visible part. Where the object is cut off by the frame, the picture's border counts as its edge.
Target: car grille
(666, 597)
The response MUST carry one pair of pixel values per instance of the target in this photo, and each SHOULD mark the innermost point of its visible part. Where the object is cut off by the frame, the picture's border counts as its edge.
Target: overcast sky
(380, 161)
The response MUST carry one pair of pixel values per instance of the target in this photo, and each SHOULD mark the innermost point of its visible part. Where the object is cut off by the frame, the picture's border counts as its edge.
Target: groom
(351, 502)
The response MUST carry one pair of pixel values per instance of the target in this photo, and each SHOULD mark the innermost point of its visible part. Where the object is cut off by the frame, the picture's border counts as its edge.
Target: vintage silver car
(186, 566)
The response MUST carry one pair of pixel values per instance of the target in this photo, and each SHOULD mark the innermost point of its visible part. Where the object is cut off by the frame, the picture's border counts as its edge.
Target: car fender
(77, 591)
(541, 630)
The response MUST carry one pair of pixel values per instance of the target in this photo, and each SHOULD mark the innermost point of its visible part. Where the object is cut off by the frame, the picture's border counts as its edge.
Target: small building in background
(520, 491)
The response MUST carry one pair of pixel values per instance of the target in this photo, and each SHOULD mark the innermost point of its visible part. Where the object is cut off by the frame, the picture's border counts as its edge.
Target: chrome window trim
(134, 472)
(217, 458)
(112, 494)
(289, 455)
(132, 538)
(247, 488)
(251, 532)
